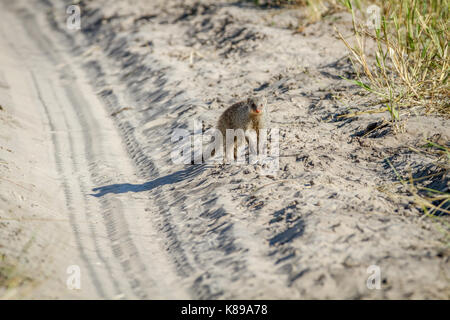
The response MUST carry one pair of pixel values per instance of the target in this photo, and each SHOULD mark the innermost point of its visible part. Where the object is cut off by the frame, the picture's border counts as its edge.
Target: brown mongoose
(247, 114)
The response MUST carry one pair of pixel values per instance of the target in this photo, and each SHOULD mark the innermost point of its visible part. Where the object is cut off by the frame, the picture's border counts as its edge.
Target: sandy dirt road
(95, 111)
(109, 239)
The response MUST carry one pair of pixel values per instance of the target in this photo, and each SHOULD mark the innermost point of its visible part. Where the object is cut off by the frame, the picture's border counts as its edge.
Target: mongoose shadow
(175, 177)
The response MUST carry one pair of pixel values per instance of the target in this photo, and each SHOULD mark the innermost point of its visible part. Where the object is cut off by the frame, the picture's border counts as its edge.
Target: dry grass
(407, 68)
(434, 204)
(407, 63)
(401, 58)
(280, 2)
(315, 9)
(14, 281)
(410, 61)
(14, 284)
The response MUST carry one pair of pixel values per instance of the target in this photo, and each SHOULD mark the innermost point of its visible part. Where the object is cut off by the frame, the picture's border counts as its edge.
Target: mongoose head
(256, 105)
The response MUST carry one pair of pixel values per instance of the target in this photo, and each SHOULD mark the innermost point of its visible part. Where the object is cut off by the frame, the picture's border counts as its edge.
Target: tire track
(61, 168)
(200, 237)
(67, 190)
(72, 167)
(225, 241)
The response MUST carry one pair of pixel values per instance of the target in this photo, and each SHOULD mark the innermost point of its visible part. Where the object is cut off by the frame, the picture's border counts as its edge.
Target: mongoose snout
(256, 105)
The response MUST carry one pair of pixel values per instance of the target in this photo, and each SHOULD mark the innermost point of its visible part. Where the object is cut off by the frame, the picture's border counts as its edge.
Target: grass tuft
(410, 62)
(13, 282)
(435, 204)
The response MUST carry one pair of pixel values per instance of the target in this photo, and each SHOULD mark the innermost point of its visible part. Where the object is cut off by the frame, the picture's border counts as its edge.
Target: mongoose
(247, 114)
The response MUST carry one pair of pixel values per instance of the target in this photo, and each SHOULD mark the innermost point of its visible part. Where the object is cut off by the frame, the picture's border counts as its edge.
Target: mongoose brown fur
(247, 114)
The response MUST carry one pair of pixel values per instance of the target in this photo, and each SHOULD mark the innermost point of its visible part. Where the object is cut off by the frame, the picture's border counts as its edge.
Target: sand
(86, 176)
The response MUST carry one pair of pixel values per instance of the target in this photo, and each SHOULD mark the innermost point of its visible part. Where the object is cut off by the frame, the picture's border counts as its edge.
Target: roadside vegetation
(15, 283)
(407, 66)
(411, 62)
(399, 53)
(407, 71)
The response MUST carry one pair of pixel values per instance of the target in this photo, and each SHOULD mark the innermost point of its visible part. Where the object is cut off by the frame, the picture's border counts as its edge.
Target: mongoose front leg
(258, 138)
